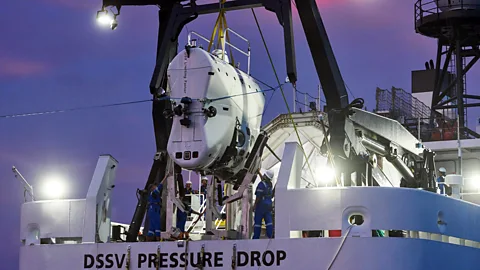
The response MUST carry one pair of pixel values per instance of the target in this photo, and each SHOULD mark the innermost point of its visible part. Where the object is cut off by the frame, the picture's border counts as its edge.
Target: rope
(283, 94)
(340, 247)
(75, 109)
(305, 93)
(125, 103)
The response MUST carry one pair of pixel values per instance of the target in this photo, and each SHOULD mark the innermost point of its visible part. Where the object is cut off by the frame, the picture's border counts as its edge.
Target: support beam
(162, 127)
(462, 74)
(440, 104)
(439, 81)
(323, 57)
(471, 96)
(289, 177)
(171, 22)
(470, 105)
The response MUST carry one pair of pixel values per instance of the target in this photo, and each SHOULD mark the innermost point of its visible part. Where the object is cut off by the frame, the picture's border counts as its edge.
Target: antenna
(26, 186)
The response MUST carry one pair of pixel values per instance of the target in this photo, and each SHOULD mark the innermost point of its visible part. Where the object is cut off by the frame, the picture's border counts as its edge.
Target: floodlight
(53, 187)
(103, 18)
(324, 174)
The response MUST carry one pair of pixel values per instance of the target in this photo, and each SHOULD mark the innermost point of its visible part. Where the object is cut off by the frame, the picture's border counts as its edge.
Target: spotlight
(103, 18)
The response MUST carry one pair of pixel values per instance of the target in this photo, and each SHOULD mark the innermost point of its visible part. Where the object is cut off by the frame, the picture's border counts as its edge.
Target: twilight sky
(54, 56)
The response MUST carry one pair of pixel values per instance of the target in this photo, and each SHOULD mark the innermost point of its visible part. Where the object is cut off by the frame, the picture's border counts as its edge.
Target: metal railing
(425, 8)
(247, 53)
(242, 52)
(200, 198)
(202, 220)
(307, 100)
(400, 104)
(444, 129)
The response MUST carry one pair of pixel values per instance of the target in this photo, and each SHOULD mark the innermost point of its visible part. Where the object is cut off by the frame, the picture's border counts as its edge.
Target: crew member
(182, 217)
(263, 205)
(188, 188)
(441, 180)
(154, 207)
(189, 191)
(203, 189)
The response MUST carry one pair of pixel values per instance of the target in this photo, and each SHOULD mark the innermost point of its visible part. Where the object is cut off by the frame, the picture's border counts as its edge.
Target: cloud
(15, 67)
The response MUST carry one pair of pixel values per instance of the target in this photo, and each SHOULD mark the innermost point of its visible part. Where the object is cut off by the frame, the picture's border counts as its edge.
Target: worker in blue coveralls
(182, 217)
(263, 205)
(154, 207)
(441, 180)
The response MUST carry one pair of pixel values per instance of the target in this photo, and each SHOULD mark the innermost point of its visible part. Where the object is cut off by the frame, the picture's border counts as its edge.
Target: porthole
(355, 219)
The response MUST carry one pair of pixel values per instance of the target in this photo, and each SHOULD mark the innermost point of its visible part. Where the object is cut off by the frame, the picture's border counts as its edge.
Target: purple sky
(54, 56)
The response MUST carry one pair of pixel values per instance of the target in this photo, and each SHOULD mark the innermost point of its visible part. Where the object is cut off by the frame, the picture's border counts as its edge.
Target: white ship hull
(308, 253)
(440, 232)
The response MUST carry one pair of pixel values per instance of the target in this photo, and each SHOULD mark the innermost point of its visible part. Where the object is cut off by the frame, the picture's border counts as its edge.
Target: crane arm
(323, 57)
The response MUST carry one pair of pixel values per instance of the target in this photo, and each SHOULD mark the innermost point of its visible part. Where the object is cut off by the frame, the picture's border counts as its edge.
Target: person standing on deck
(441, 180)
(154, 206)
(263, 205)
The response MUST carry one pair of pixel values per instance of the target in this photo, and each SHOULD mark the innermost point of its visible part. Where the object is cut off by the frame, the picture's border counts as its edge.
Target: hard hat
(189, 182)
(269, 174)
(442, 170)
(205, 178)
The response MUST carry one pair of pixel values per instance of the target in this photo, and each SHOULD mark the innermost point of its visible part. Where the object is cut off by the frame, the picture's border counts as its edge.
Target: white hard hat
(269, 174)
(442, 169)
(204, 178)
(189, 182)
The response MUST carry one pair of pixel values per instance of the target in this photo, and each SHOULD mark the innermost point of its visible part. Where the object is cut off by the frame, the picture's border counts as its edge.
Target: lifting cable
(221, 26)
(283, 94)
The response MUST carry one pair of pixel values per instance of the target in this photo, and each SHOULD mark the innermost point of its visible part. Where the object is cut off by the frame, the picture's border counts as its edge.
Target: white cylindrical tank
(447, 5)
(235, 97)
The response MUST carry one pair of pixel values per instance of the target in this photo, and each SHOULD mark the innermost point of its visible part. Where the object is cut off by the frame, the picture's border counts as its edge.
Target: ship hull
(303, 253)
